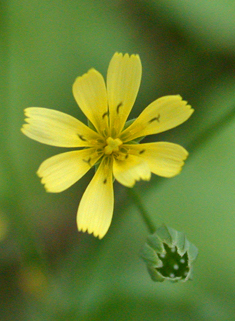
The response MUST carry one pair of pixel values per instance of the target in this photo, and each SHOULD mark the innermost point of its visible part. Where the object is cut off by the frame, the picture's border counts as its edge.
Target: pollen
(112, 145)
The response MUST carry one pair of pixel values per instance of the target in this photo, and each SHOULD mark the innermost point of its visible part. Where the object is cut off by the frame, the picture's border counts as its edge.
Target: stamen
(155, 118)
(82, 138)
(88, 161)
(105, 114)
(118, 107)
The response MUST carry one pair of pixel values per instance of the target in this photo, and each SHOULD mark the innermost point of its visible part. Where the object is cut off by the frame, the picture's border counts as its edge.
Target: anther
(105, 114)
(141, 151)
(88, 161)
(82, 138)
(118, 107)
(155, 118)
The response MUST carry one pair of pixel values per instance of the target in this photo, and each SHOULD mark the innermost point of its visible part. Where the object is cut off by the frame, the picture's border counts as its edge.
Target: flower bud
(169, 255)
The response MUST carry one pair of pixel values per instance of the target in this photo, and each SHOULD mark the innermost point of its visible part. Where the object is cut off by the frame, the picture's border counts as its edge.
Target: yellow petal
(61, 171)
(164, 159)
(55, 128)
(96, 207)
(164, 113)
(90, 94)
(130, 170)
(123, 81)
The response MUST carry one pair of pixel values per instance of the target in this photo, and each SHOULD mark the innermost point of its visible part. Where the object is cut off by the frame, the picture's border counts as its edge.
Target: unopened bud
(169, 255)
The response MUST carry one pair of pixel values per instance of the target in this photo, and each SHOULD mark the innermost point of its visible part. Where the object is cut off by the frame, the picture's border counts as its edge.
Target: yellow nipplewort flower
(109, 141)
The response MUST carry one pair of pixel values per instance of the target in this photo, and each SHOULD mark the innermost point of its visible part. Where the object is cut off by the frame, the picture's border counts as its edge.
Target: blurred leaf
(210, 23)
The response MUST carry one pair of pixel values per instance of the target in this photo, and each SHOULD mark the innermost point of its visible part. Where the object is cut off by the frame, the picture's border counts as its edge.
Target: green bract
(169, 255)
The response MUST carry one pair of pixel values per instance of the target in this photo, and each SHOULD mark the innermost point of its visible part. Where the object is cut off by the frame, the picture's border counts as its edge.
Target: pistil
(112, 145)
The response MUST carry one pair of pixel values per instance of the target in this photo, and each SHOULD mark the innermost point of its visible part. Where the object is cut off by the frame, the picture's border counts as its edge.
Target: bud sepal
(169, 255)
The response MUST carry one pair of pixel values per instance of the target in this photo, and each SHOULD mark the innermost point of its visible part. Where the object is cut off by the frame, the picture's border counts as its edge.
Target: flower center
(112, 145)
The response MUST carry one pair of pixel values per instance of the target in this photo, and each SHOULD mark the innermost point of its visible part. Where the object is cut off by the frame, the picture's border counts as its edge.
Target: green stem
(142, 210)
(206, 134)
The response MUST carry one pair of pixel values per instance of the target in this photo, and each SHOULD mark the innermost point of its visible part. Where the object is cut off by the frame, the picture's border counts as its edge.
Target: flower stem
(145, 215)
(209, 132)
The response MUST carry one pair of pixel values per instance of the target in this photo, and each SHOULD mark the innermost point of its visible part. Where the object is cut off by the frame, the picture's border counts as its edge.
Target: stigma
(112, 145)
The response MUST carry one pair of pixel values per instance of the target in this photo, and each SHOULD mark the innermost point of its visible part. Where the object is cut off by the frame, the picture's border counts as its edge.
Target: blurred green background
(48, 270)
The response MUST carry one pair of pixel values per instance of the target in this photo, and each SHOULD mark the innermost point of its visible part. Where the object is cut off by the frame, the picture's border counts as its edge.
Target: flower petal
(55, 128)
(90, 94)
(164, 159)
(164, 113)
(123, 82)
(130, 170)
(96, 207)
(61, 171)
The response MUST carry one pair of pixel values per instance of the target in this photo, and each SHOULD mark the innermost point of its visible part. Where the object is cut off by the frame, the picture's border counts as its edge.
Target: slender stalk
(208, 133)
(145, 216)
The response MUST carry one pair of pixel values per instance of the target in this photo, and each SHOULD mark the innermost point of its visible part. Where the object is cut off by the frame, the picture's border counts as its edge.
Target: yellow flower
(107, 142)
